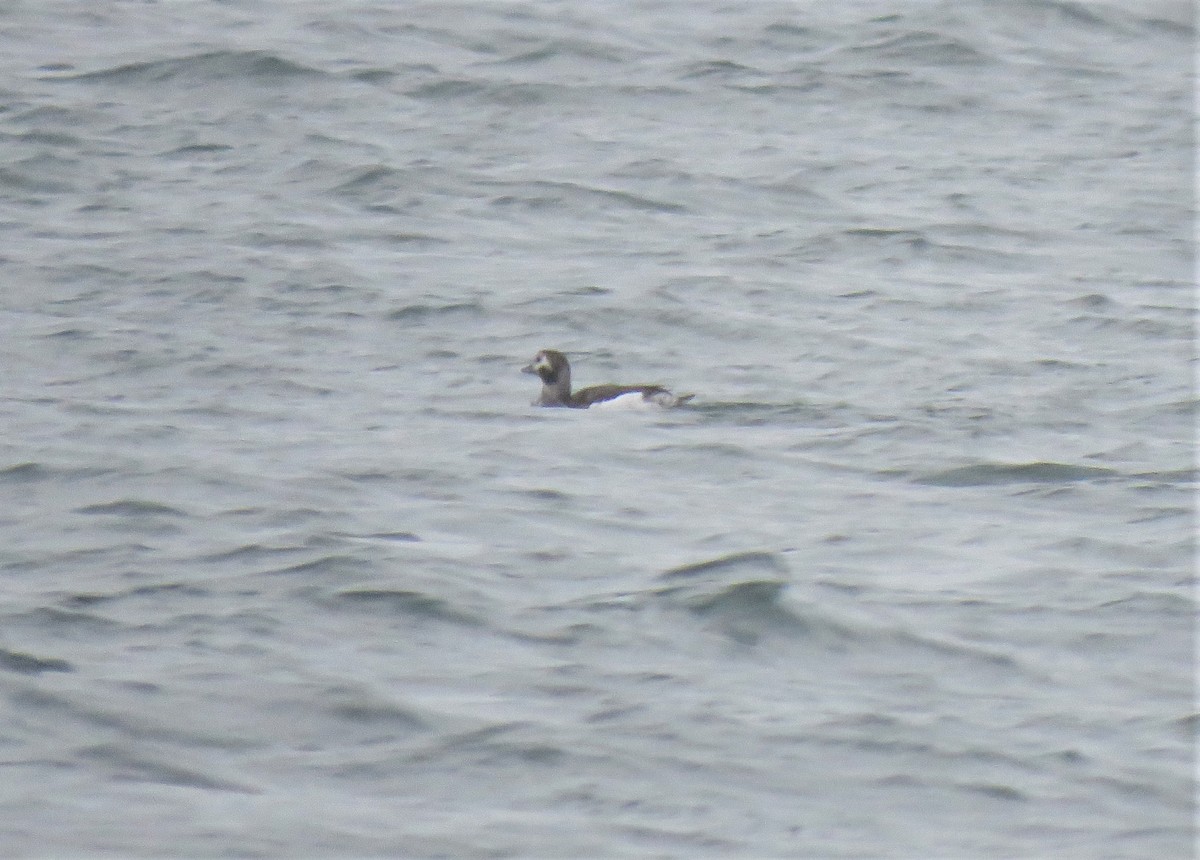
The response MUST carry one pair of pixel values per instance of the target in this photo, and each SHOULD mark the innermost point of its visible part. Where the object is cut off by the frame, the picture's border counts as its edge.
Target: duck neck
(556, 389)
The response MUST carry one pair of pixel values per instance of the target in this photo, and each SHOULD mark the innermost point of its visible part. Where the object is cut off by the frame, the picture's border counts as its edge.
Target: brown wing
(598, 393)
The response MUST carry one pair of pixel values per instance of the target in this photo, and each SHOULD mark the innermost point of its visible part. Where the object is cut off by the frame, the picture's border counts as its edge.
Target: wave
(960, 244)
(745, 597)
(337, 565)
(1118, 18)
(543, 195)
(403, 602)
(256, 66)
(353, 704)
(741, 595)
(926, 48)
(715, 569)
(1152, 604)
(988, 474)
(132, 508)
(27, 664)
(752, 414)
(92, 599)
(22, 472)
(421, 312)
(141, 766)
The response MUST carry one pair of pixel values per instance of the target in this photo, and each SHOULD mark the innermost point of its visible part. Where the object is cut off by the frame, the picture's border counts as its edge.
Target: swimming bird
(555, 372)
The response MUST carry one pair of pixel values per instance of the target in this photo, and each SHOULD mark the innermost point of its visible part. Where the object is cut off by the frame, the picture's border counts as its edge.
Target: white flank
(633, 401)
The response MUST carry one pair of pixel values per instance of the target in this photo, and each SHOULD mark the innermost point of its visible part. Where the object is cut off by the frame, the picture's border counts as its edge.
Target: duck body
(552, 367)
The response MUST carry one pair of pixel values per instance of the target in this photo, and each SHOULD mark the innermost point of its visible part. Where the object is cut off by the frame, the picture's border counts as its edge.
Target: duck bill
(529, 368)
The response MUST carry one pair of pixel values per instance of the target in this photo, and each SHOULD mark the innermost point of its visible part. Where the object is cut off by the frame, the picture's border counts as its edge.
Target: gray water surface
(289, 566)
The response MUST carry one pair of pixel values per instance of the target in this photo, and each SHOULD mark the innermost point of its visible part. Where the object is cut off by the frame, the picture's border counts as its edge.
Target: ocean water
(290, 566)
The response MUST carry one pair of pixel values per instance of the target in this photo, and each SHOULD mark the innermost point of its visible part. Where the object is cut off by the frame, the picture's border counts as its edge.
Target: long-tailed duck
(555, 372)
